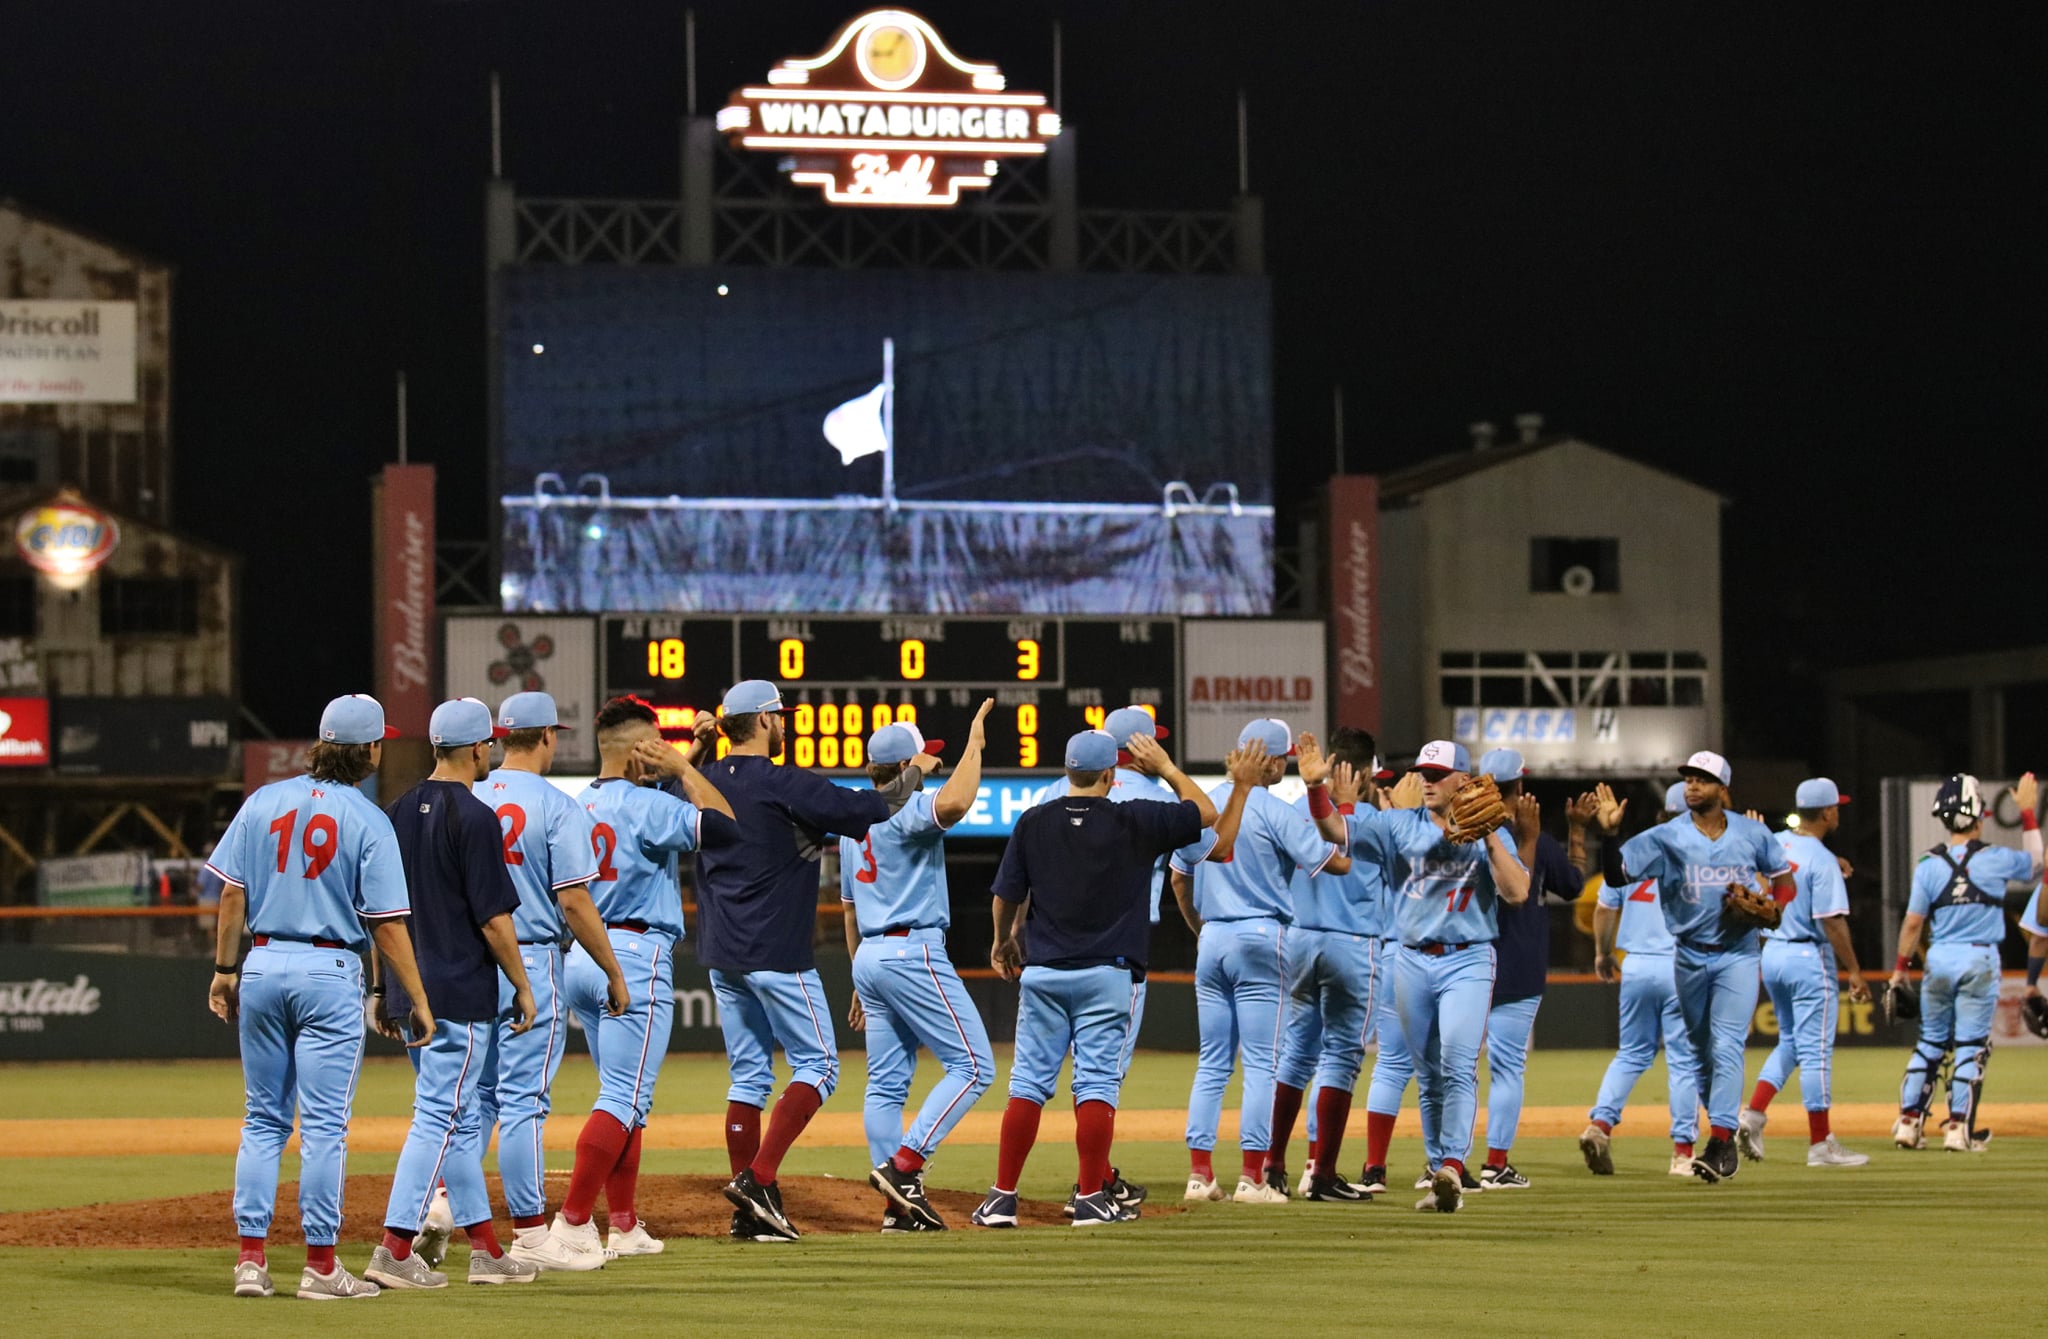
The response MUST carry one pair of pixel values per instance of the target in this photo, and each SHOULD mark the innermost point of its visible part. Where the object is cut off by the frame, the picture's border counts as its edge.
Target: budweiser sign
(405, 596)
(1354, 599)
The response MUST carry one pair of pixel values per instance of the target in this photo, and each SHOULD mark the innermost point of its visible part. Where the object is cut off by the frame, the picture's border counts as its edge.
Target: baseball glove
(1476, 811)
(1901, 1002)
(1747, 906)
(2034, 1013)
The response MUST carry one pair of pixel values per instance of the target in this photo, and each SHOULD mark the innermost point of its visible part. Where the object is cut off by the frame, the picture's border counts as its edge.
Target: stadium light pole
(889, 424)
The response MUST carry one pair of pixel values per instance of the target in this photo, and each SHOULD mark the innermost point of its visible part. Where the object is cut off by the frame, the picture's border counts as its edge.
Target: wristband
(2028, 821)
(378, 990)
(2034, 971)
(229, 970)
(1901, 964)
(1319, 805)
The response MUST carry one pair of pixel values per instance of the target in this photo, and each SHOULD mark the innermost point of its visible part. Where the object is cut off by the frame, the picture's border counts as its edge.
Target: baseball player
(1393, 1068)
(312, 863)
(1239, 906)
(1801, 960)
(757, 910)
(1085, 864)
(1959, 886)
(1711, 866)
(638, 828)
(2034, 920)
(547, 842)
(462, 905)
(906, 992)
(1632, 919)
(1523, 956)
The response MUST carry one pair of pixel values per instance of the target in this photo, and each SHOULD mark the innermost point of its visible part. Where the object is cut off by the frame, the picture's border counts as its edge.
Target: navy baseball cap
(1442, 755)
(1818, 793)
(744, 699)
(1503, 765)
(529, 711)
(900, 743)
(1091, 751)
(1710, 765)
(1674, 798)
(355, 719)
(463, 721)
(1278, 739)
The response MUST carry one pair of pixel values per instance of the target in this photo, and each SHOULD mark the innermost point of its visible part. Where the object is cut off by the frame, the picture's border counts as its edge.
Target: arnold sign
(888, 115)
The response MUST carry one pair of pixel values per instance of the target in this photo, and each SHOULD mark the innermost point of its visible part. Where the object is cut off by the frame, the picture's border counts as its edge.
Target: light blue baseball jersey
(1693, 872)
(895, 876)
(1273, 841)
(547, 838)
(1819, 889)
(317, 858)
(1971, 910)
(1643, 928)
(636, 833)
(1125, 784)
(1354, 902)
(1447, 893)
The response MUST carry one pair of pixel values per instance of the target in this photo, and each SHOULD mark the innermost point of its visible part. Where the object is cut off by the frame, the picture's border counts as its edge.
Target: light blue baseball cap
(1124, 722)
(744, 699)
(1274, 734)
(1674, 798)
(529, 711)
(900, 743)
(1503, 765)
(1443, 755)
(1091, 751)
(1818, 793)
(462, 721)
(355, 719)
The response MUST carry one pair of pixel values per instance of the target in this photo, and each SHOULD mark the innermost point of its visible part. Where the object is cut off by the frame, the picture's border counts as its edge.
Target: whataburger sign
(888, 115)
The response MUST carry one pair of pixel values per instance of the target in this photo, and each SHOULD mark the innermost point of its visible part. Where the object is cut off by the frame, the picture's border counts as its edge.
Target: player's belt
(540, 943)
(1438, 950)
(261, 940)
(637, 927)
(1783, 939)
(901, 932)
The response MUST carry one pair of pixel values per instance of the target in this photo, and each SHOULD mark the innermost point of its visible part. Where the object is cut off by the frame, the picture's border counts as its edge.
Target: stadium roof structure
(1400, 487)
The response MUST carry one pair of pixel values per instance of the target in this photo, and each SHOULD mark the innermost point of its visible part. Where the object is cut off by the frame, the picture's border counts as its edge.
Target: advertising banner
(1239, 669)
(403, 563)
(24, 732)
(113, 879)
(268, 760)
(67, 352)
(144, 736)
(493, 657)
(1353, 583)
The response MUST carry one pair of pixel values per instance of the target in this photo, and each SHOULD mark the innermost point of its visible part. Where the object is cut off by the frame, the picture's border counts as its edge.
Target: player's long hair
(343, 764)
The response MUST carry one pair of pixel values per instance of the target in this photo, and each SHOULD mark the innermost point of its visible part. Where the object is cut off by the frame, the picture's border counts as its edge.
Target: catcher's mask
(1959, 803)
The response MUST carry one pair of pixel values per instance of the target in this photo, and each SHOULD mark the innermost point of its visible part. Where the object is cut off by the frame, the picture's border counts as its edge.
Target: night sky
(1792, 251)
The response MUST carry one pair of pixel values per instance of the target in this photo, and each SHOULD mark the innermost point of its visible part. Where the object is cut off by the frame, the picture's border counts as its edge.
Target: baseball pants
(759, 1010)
(1137, 1020)
(1650, 1013)
(627, 1050)
(1958, 998)
(513, 1097)
(1800, 979)
(1443, 1001)
(1508, 1030)
(301, 1026)
(1086, 1010)
(1329, 1008)
(444, 1144)
(1717, 992)
(913, 997)
(1240, 1005)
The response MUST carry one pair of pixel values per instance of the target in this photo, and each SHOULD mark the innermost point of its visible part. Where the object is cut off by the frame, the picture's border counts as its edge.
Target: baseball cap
(529, 711)
(1711, 765)
(1503, 765)
(463, 721)
(1441, 755)
(1674, 798)
(744, 699)
(1818, 793)
(1091, 751)
(900, 743)
(1124, 722)
(355, 719)
(1278, 739)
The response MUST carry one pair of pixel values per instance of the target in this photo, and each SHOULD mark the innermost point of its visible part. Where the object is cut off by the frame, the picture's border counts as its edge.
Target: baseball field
(114, 1218)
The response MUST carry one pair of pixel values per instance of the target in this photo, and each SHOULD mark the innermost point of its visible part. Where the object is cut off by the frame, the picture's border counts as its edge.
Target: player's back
(548, 846)
(313, 856)
(1643, 928)
(1125, 785)
(1351, 903)
(1085, 863)
(1967, 907)
(1273, 841)
(636, 833)
(895, 876)
(1814, 875)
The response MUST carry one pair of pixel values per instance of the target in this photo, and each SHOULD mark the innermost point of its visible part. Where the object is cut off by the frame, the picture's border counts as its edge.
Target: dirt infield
(673, 1206)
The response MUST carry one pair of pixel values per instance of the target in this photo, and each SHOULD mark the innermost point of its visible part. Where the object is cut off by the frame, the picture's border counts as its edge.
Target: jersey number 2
(512, 819)
(319, 854)
(604, 843)
(866, 873)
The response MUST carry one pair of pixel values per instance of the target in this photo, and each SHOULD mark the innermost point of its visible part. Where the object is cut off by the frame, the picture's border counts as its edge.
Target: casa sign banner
(65, 538)
(888, 115)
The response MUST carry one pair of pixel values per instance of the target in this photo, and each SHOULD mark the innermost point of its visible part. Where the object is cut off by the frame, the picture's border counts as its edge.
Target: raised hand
(975, 735)
(2026, 793)
(1346, 786)
(1147, 756)
(1408, 792)
(1608, 811)
(1246, 765)
(1528, 819)
(659, 758)
(1310, 761)
(1580, 812)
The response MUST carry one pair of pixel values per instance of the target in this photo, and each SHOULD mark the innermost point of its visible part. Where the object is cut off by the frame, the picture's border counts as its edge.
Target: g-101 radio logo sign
(888, 115)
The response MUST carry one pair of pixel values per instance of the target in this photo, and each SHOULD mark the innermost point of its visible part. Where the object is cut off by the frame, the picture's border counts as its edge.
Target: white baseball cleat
(636, 1242)
(570, 1248)
(431, 1245)
(1446, 1193)
(253, 1280)
(1749, 1134)
(1828, 1153)
(1681, 1164)
(1956, 1138)
(1203, 1190)
(1257, 1192)
(1909, 1132)
(538, 1247)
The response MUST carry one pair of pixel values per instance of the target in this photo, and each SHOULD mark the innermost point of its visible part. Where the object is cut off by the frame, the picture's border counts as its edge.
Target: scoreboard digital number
(844, 678)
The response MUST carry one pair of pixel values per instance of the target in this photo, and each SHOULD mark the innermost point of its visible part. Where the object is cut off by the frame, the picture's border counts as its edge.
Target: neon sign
(889, 115)
(65, 538)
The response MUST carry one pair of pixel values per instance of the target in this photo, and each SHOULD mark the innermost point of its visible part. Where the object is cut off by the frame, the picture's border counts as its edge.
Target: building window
(1572, 679)
(161, 606)
(17, 606)
(28, 455)
(1574, 566)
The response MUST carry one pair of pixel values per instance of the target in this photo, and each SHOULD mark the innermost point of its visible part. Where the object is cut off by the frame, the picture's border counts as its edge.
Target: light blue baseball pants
(912, 997)
(1650, 1013)
(1240, 1005)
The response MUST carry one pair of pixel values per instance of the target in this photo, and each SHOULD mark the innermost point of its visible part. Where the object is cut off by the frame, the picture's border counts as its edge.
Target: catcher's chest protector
(1961, 892)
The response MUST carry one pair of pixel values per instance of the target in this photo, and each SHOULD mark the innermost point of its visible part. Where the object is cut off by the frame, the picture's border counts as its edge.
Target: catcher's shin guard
(1973, 1058)
(1923, 1075)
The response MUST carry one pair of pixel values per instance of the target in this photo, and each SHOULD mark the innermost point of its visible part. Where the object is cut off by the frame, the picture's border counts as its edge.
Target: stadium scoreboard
(844, 678)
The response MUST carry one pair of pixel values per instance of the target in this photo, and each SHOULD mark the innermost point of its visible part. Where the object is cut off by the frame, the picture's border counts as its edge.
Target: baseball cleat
(1749, 1134)
(388, 1271)
(998, 1210)
(1250, 1192)
(1467, 1180)
(486, 1268)
(1127, 1193)
(1828, 1153)
(748, 1194)
(1908, 1131)
(431, 1245)
(639, 1241)
(1955, 1138)
(744, 1228)
(1717, 1161)
(1276, 1179)
(339, 1286)
(1596, 1146)
(905, 1190)
(1372, 1181)
(1202, 1189)
(253, 1280)
(1681, 1164)
(1097, 1210)
(1428, 1177)
(1334, 1190)
(1446, 1193)
(1503, 1178)
(902, 1225)
(570, 1247)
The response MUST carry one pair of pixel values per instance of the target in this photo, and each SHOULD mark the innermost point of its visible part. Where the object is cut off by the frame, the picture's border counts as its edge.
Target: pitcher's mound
(673, 1206)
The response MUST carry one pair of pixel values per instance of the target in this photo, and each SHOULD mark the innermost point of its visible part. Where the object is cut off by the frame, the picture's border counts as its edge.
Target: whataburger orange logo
(65, 536)
(888, 115)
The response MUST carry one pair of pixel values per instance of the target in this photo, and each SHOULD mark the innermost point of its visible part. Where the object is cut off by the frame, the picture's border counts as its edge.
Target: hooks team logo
(521, 662)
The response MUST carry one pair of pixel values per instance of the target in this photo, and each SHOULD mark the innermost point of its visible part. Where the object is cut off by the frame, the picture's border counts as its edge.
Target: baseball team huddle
(492, 907)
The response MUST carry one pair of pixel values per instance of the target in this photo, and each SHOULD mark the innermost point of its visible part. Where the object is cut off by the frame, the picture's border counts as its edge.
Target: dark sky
(1793, 251)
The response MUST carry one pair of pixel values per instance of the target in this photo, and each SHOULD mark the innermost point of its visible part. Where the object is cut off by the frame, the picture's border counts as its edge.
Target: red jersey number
(867, 871)
(604, 843)
(512, 819)
(318, 845)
